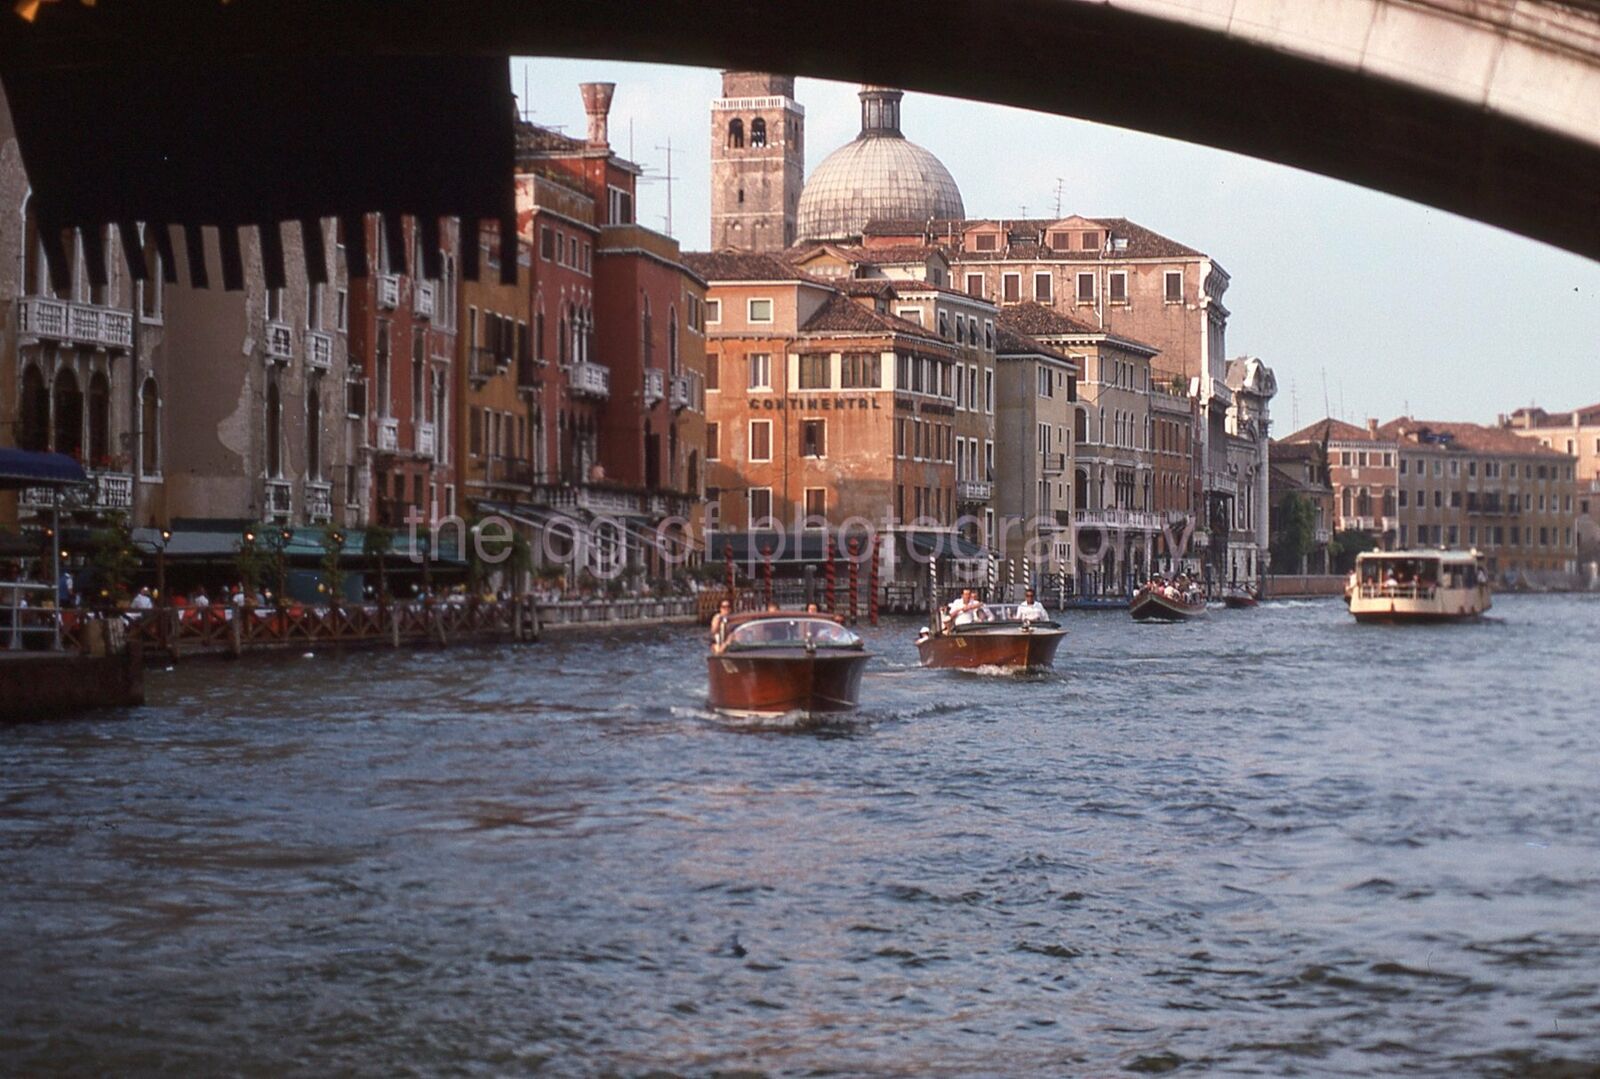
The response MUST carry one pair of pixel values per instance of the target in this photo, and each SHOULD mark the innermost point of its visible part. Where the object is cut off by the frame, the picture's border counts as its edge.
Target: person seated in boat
(1030, 609)
(967, 612)
(719, 623)
(1390, 581)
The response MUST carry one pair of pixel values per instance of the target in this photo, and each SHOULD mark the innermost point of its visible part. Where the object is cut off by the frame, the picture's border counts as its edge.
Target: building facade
(1036, 413)
(1576, 433)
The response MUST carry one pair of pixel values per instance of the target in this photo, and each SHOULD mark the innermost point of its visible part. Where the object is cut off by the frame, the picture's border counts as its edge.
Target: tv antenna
(1060, 183)
(667, 176)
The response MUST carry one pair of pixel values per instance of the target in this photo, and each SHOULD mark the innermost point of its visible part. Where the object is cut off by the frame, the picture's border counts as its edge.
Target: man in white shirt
(1030, 609)
(142, 602)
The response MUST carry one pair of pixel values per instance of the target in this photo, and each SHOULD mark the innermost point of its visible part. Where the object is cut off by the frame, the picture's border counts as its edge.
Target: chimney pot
(1372, 426)
(597, 104)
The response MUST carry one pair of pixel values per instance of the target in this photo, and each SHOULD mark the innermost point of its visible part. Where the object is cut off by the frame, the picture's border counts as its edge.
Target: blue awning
(26, 468)
(944, 545)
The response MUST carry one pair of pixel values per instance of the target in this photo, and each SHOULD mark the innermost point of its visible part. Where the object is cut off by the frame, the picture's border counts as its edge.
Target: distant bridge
(1486, 108)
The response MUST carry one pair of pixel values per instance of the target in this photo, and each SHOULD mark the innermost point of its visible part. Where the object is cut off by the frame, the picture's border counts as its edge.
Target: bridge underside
(1075, 58)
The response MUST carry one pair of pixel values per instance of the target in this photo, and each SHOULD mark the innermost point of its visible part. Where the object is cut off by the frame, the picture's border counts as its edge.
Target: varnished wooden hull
(1151, 607)
(1239, 602)
(1011, 648)
(789, 680)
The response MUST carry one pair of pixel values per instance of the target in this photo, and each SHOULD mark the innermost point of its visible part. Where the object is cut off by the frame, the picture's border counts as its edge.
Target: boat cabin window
(766, 632)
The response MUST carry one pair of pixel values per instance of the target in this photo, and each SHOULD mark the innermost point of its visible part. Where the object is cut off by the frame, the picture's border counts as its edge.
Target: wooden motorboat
(1418, 586)
(1240, 598)
(772, 662)
(1165, 603)
(995, 637)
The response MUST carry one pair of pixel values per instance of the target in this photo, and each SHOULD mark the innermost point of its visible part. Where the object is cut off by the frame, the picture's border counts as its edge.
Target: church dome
(881, 175)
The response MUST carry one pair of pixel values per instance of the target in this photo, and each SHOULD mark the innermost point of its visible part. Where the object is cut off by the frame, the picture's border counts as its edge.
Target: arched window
(69, 247)
(314, 431)
(33, 430)
(562, 341)
(672, 340)
(736, 133)
(575, 323)
(149, 429)
(274, 429)
(588, 332)
(758, 132)
(1080, 425)
(538, 335)
(99, 420)
(68, 414)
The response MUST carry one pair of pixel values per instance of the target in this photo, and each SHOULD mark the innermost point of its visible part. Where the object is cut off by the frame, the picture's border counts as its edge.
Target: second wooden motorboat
(773, 662)
(1166, 603)
(1240, 598)
(995, 637)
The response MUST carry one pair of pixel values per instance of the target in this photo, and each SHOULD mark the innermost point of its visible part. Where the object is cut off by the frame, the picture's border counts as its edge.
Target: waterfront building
(825, 410)
(265, 436)
(1363, 470)
(1299, 472)
(921, 295)
(402, 340)
(621, 314)
(499, 430)
(1251, 386)
(757, 162)
(1423, 483)
(1118, 531)
(1037, 413)
(1576, 433)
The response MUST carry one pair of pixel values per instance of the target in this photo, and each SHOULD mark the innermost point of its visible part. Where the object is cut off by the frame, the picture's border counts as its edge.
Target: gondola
(995, 637)
(1152, 603)
(775, 662)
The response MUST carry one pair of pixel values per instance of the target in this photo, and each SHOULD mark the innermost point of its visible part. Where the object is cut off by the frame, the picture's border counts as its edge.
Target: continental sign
(816, 403)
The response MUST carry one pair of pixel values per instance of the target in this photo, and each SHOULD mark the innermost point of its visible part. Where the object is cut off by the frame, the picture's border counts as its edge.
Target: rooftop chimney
(1372, 427)
(597, 103)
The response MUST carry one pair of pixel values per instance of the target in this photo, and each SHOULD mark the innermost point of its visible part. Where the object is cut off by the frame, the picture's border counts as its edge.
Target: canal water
(1275, 843)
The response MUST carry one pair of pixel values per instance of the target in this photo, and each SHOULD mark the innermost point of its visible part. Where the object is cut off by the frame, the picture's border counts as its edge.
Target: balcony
(974, 491)
(1053, 464)
(508, 470)
(319, 502)
(425, 440)
(590, 380)
(319, 350)
(654, 386)
(1127, 520)
(278, 500)
(74, 323)
(422, 300)
(106, 492)
(280, 342)
(388, 434)
(680, 393)
(388, 291)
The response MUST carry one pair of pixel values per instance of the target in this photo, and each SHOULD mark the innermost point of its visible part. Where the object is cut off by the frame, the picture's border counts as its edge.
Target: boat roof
(1445, 554)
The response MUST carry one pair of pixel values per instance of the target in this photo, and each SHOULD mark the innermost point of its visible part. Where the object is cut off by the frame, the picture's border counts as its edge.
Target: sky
(1364, 303)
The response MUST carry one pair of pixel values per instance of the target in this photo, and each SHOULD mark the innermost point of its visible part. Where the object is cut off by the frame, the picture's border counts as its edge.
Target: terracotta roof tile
(844, 315)
(1463, 437)
(1009, 342)
(1037, 320)
(1329, 429)
(1140, 241)
(742, 266)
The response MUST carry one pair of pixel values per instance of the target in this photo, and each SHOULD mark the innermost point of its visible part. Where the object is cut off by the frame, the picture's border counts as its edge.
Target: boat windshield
(782, 632)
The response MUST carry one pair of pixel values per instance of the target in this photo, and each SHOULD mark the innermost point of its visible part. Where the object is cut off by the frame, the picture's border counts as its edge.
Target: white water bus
(1418, 585)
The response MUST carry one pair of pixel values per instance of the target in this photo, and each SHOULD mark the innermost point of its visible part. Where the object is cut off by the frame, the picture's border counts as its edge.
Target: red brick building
(402, 347)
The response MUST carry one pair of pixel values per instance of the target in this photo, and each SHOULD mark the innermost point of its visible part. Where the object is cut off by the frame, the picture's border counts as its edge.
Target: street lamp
(283, 538)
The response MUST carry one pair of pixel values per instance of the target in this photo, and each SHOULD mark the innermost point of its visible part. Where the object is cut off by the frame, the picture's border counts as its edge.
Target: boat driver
(965, 610)
(718, 622)
(1030, 609)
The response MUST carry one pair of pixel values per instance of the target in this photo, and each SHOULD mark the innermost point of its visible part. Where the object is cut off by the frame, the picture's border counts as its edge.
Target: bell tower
(757, 162)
